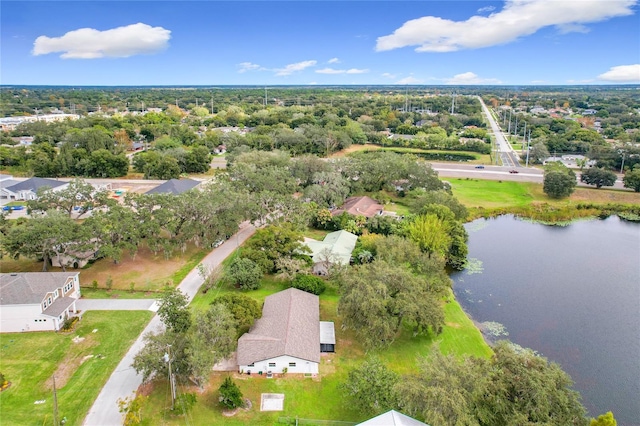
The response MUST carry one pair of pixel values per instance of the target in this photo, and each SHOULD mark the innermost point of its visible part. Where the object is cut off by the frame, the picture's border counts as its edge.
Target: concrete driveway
(117, 305)
(124, 381)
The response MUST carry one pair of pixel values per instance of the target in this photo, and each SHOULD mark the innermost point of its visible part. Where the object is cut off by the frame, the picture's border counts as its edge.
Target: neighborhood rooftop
(336, 245)
(30, 287)
(392, 418)
(360, 206)
(34, 184)
(174, 186)
(289, 326)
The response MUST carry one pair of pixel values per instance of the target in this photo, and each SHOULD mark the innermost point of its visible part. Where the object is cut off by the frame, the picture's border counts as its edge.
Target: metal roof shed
(327, 337)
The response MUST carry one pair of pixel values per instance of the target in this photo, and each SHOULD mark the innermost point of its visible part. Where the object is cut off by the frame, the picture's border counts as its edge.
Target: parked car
(513, 171)
(480, 167)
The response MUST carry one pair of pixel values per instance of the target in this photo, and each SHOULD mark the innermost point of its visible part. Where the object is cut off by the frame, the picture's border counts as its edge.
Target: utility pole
(622, 166)
(524, 134)
(172, 381)
(528, 148)
(211, 104)
(177, 103)
(509, 129)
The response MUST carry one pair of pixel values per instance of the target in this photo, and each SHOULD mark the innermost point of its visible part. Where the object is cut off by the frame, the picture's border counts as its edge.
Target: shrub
(245, 273)
(309, 283)
(230, 395)
(94, 284)
(109, 283)
(67, 325)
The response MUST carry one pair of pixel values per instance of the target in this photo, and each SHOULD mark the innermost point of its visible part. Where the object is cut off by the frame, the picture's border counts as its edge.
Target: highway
(508, 157)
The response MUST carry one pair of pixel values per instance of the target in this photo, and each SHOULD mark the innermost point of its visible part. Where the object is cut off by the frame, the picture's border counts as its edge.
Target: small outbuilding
(327, 337)
(174, 186)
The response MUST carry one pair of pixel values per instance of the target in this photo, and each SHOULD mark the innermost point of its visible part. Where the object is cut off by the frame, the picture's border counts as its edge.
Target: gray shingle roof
(59, 306)
(27, 288)
(174, 186)
(34, 184)
(289, 326)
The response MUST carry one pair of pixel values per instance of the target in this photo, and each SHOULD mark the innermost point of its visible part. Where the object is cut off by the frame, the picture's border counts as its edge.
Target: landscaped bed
(81, 360)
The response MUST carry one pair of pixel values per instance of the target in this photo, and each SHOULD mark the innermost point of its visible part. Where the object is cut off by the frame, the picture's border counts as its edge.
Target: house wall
(302, 366)
(19, 318)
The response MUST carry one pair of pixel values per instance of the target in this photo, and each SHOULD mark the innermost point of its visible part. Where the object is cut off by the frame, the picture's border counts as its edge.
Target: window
(251, 365)
(49, 299)
(272, 364)
(55, 294)
(292, 364)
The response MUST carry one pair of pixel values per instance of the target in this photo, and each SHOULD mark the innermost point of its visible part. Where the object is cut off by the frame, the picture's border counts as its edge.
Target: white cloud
(291, 68)
(409, 80)
(333, 61)
(622, 74)
(470, 78)
(120, 42)
(486, 9)
(329, 71)
(539, 82)
(389, 75)
(517, 19)
(248, 66)
(335, 71)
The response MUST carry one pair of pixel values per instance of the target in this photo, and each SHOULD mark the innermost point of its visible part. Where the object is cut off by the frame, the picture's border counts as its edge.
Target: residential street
(124, 380)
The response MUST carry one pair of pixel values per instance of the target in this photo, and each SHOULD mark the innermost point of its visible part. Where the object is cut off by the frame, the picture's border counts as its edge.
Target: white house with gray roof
(27, 189)
(37, 301)
(287, 335)
(336, 248)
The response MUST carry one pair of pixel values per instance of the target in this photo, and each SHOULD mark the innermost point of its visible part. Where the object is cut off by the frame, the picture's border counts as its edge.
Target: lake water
(570, 293)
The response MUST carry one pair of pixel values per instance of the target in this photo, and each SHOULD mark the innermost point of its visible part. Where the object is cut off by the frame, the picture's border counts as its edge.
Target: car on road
(513, 171)
(480, 167)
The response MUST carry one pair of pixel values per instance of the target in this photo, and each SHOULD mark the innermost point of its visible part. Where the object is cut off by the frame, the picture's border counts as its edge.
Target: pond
(571, 293)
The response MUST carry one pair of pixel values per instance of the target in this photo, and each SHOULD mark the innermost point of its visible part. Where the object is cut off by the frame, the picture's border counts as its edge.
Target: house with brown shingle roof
(360, 206)
(286, 336)
(37, 301)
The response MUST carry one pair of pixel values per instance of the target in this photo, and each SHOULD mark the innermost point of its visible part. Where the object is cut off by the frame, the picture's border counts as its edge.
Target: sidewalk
(124, 381)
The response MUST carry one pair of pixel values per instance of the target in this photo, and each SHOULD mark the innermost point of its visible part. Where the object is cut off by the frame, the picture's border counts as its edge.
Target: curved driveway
(124, 381)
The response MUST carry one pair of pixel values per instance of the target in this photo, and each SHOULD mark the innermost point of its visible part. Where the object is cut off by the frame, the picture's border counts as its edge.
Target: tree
(244, 309)
(245, 273)
(211, 339)
(559, 181)
(53, 235)
(606, 419)
(370, 387)
(431, 233)
(131, 409)
(272, 243)
(598, 177)
(230, 394)
(379, 298)
(538, 153)
(78, 197)
(174, 310)
(632, 179)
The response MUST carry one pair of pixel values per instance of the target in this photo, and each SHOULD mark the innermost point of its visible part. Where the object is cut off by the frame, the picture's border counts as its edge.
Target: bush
(245, 273)
(68, 323)
(309, 283)
(230, 395)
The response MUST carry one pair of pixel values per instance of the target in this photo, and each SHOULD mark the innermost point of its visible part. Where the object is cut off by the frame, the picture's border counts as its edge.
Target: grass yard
(317, 398)
(29, 361)
(489, 194)
(148, 272)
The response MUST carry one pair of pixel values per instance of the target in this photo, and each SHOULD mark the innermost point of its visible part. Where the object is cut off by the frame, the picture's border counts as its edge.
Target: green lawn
(29, 360)
(493, 193)
(318, 398)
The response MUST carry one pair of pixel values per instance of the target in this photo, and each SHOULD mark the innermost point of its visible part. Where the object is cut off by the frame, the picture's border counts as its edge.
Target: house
(392, 418)
(336, 248)
(37, 301)
(287, 336)
(27, 189)
(360, 206)
(174, 186)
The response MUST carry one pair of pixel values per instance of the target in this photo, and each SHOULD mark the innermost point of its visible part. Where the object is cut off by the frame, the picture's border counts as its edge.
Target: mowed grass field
(148, 272)
(494, 194)
(320, 397)
(81, 361)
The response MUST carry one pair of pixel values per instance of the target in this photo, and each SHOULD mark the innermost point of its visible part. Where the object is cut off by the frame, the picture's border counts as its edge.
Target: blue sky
(517, 42)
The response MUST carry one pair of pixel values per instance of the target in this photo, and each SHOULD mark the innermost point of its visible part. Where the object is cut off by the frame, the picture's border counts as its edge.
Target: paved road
(124, 381)
(529, 174)
(508, 157)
